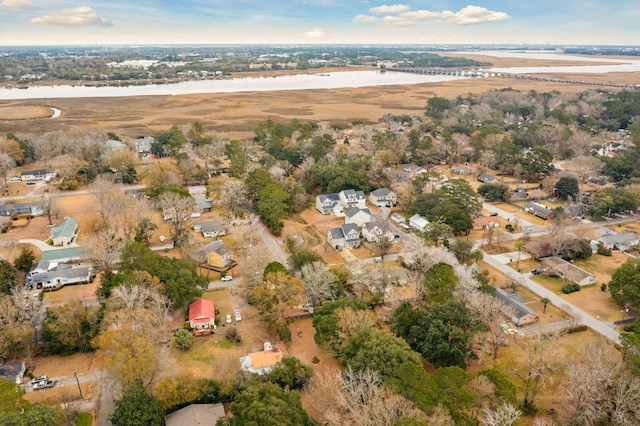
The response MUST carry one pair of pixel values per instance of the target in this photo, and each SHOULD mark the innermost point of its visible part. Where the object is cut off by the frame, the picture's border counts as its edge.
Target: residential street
(556, 300)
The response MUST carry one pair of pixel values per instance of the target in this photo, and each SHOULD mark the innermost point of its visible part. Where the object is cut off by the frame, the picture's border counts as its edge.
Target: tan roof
(265, 358)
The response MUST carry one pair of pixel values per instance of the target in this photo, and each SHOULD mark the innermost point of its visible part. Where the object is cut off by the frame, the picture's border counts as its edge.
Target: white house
(350, 198)
(346, 235)
(52, 275)
(210, 229)
(143, 145)
(418, 222)
(357, 216)
(41, 174)
(263, 361)
(622, 241)
(65, 233)
(375, 231)
(329, 203)
(383, 197)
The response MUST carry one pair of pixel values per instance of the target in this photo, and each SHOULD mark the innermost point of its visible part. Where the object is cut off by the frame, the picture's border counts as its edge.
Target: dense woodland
(452, 320)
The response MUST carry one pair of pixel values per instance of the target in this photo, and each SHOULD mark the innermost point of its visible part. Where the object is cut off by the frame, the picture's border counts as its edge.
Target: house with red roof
(202, 317)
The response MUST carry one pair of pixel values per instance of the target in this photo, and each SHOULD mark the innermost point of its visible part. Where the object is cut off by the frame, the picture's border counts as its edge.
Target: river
(332, 80)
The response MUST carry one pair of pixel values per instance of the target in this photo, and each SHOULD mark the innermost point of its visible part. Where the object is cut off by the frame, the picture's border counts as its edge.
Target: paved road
(270, 242)
(556, 300)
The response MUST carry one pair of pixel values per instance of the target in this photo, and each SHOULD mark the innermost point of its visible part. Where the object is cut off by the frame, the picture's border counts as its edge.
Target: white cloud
(365, 19)
(397, 21)
(79, 16)
(19, 4)
(316, 33)
(465, 16)
(391, 8)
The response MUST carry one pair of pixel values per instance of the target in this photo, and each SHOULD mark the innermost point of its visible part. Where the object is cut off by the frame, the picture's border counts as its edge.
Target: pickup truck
(45, 384)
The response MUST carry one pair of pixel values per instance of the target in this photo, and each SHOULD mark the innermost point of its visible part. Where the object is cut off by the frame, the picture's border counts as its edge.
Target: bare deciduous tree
(104, 249)
(102, 189)
(318, 283)
(233, 194)
(352, 321)
(50, 207)
(502, 415)
(492, 313)
(6, 164)
(541, 361)
(47, 146)
(359, 398)
(177, 210)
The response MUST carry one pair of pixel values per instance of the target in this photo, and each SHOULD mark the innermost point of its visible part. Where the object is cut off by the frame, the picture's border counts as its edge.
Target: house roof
(113, 144)
(66, 228)
(381, 192)
(486, 177)
(332, 197)
(39, 172)
(336, 233)
(349, 228)
(515, 301)
(460, 169)
(196, 415)
(197, 190)
(17, 207)
(201, 309)
(621, 238)
(211, 226)
(539, 209)
(62, 271)
(202, 202)
(264, 359)
(218, 246)
(419, 220)
(569, 270)
(64, 254)
(12, 371)
(352, 193)
(352, 211)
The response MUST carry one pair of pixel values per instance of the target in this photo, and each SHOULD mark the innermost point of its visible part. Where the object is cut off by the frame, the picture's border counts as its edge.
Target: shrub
(603, 287)
(84, 419)
(183, 340)
(570, 288)
(232, 335)
(603, 250)
(576, 329)
(285, 334)
(509, 227)
(315, 360)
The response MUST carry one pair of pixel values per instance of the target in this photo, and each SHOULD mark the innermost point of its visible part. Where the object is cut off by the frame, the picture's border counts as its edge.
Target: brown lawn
(25, 112)
(60, 394)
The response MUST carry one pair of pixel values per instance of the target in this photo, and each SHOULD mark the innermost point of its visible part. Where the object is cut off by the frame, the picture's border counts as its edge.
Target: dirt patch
(57, 366)
(85, 293)
(24, 112)
(303, 347)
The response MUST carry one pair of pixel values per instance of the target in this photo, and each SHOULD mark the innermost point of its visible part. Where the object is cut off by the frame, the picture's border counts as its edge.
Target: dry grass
(73, 293)
(61, 394)
(24, 112)
(56, 365)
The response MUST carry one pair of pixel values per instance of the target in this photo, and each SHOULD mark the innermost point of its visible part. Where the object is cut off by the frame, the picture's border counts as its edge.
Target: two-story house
(346, 235)
(215, 254)
(329, 204)
(351, 198)
(376, 231)
(357, 216)
(383, 197)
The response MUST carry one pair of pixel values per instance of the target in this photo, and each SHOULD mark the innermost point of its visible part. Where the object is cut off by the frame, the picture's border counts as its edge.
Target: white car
(228, 318)
(45, 384)
(226, 278)
(40, 379)
(237, 315)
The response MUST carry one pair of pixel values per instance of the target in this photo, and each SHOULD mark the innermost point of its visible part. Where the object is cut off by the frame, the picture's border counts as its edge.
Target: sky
(136, 22)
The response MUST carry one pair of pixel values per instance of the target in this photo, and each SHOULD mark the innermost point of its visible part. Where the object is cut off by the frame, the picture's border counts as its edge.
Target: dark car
(536, 272)
(494, 214)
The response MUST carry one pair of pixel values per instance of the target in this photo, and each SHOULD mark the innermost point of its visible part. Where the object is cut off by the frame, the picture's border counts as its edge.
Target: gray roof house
(40, 174)
(113, 144)
(346, 235)
(143, 145)
(486, 178)
(417, 222)
(374, 231)
(357, 216)
(58, 275)
(216, 254)
(329, 203)
(622, 241)
(555, 265)
(203, 205)
(539, 210)
(351, 198)
(398, 218)
(12, 372)
(65, 233)
(34, 209)
(196, 414)
(461, 170)
(383, 197)
(210, 229)
(523, 314)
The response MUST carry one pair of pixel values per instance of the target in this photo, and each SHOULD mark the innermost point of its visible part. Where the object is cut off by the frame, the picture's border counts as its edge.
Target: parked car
(45, 384)
(228, 318)
(536, 271)
(494, 214)
(226, 278)
(237, 315)
(39, 379)
(31, 183)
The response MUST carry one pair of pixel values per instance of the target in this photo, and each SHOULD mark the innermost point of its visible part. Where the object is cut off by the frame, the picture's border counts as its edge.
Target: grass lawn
(507, 207)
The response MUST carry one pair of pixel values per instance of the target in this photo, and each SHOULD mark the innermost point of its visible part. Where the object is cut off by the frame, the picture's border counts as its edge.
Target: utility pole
(78, 382)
